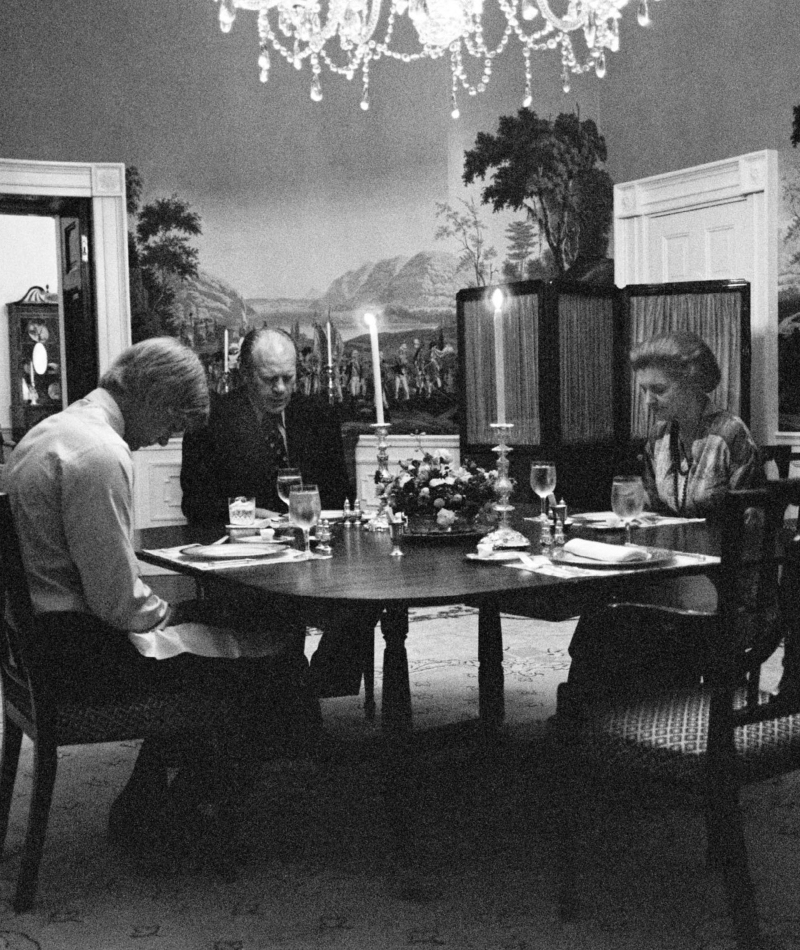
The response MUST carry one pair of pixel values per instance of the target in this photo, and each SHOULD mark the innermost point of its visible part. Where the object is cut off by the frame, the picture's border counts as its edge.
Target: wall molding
(753, 179)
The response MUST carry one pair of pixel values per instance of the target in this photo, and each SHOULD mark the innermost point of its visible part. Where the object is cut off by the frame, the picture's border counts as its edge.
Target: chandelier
(348, 36)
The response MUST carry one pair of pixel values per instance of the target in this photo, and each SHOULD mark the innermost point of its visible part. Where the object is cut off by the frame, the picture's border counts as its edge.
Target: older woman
(695, 452)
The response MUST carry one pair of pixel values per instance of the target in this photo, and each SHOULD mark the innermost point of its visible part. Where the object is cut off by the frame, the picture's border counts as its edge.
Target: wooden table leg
(399, 793)
(491, 701)
(396, 706)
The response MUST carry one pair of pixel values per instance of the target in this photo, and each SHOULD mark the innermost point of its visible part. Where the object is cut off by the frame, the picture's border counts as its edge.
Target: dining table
(433, 571)
(363, 572)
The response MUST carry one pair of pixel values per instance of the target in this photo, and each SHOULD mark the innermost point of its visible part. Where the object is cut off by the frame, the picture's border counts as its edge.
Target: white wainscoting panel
(157, 485)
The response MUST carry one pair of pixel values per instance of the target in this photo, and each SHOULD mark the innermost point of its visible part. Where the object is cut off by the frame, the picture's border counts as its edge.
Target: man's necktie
(274, 440)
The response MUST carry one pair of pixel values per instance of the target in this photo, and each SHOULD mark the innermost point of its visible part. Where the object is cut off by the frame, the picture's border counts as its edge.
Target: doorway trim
(752, 178)
(104, 184)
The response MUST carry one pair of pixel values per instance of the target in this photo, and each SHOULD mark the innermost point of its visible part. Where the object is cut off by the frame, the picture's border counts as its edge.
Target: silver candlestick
(329, 375)
(380, 520)
(504, 536)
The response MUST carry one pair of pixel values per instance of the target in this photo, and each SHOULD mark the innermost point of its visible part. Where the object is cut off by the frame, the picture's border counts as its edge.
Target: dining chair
(710, 739)
(27, 709)
(776, 459)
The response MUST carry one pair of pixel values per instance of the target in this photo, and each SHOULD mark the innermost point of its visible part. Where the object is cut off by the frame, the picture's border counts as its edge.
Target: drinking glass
(286, 478)
(241, 510)
(304, 510)
(543, 481)
(627, 500)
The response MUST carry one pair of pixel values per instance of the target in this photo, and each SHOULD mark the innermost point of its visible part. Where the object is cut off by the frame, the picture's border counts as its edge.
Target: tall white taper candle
(330, 350)
(225, 351)
(499, 356)
(369, 319)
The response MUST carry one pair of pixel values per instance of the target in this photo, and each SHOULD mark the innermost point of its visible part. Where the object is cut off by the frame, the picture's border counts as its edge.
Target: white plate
(599, 521)
(261, 542)
(331, 514)
(651, 557)
(232, 550)
(494, 557)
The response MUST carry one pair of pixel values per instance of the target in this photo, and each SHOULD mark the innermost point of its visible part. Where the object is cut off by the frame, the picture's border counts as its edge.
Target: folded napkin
(597, 551)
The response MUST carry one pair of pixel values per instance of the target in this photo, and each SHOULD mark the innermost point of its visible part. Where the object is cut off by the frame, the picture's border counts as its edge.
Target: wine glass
(627, 500)
(304, 510)
(543, 481)
(286, 478)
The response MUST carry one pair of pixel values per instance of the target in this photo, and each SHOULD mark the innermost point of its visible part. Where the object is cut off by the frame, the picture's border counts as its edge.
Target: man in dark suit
(251, 433)
(257, 429)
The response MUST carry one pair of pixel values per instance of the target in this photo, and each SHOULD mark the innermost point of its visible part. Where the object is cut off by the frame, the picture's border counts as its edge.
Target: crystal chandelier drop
(348, 36)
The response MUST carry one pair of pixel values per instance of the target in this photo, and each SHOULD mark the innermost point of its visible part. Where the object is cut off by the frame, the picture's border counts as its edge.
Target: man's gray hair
(163, 373)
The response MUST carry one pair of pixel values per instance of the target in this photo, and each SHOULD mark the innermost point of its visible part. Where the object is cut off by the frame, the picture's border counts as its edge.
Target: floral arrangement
(429, 486)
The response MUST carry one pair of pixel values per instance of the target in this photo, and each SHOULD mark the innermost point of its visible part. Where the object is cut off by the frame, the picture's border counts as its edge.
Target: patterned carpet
(316, 875)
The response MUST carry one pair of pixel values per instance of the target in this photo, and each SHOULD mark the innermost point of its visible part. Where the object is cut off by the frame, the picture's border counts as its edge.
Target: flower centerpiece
(430, 489)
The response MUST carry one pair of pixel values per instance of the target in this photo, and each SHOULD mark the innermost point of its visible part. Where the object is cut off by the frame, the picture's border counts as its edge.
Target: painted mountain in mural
(427, 281)
(206, 303)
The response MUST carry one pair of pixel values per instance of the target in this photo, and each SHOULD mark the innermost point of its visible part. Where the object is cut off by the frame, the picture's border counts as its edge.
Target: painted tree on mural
(160, 255)
(468, 229)
(524, 241)
(553, 170)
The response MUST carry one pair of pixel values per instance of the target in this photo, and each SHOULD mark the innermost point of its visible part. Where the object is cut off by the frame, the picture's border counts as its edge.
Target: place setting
(578, 555)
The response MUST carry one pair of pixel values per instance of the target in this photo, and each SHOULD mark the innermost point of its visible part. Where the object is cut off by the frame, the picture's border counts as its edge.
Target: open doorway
(45, 266)
(87, 200)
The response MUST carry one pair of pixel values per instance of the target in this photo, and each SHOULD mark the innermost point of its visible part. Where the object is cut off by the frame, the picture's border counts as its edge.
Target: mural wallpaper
(548, 171)
(789, 294)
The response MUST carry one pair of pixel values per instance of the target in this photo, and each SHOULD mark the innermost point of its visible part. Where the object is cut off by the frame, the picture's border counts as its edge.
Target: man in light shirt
(101, 631)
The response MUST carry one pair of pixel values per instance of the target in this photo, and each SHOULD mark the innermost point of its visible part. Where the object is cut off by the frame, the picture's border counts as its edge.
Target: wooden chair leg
(9, 761)
(728, 853)
(44, 777)
(368, 658)
(571, 820)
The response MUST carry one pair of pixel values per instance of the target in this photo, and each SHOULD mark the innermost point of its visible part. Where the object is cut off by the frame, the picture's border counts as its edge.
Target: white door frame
(753, 178)
(104, 184)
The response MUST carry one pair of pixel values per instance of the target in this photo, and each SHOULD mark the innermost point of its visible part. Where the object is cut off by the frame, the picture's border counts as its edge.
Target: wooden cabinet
(36, 360)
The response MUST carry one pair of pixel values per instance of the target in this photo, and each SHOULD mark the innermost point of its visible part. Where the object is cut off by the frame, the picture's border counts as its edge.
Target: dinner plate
(331, 514)
(233, 550)
(262, 542)
(601, 521)
(496, 557)
(651, 557)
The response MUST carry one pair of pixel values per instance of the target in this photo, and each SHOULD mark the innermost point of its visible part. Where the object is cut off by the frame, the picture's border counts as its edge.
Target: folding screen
(564, 346)
(568, 388)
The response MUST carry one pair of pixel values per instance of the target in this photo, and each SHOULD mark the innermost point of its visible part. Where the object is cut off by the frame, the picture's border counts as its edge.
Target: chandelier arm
(566, 25)
(303, 30)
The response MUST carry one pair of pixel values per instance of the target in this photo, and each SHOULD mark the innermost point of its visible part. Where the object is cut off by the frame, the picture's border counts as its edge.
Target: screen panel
(719, 313)
(520, 317)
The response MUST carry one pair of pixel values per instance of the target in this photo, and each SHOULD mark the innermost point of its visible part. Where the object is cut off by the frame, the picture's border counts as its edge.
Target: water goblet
(543, 481)
(627, 500)
(286, 478)
(304, 511)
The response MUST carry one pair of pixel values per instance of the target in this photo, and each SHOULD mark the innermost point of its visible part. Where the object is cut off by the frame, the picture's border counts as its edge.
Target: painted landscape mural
(789, 294)
(414, 299)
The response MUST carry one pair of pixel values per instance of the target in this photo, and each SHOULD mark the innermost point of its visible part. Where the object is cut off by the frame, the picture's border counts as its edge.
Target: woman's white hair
(163, 373)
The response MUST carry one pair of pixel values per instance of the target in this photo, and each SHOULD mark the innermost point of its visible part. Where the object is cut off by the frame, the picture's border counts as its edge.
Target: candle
(369, 319)
(499, 356)
(330, 351)
(225, 351)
